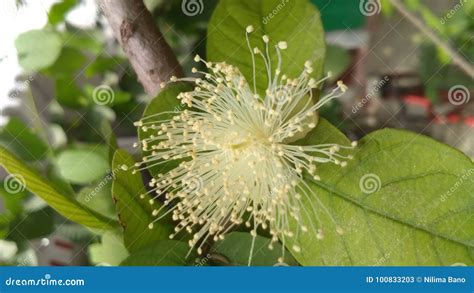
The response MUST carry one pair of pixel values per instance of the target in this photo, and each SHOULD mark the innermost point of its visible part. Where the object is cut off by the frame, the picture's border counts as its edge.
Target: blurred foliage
(455, 27)
(96, 96)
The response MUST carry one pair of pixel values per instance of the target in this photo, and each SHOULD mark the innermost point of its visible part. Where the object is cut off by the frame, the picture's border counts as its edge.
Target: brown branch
(143, 43)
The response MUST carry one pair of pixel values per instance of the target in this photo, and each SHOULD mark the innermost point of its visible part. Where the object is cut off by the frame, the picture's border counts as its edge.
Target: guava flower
(239, 164)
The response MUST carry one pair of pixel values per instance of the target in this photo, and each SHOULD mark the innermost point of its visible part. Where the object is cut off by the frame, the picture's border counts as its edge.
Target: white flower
(238, 166)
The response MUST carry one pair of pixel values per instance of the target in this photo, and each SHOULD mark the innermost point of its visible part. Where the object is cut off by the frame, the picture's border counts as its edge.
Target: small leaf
(110, 251)
(20, 139)
(82, 166)
(98, 197)
(166, 101)
(163, 253)
(58, 11)
(65, 205)
(69, 94)
(38, 49)
(69, 62)
(236, 248)
(135, 214)
(296, 22)
(404, 200)
(32, 225)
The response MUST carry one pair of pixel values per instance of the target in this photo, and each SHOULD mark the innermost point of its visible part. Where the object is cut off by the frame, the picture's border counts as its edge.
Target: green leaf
(69, 94)
(236, 248)
(20, 139)
(102, 64)
(163, 253)
(38, 49)
(82, 166)
(32, 225)
(90, 41)
(58, 11)
(109, 137)
(110, 251)
(418, 211)
(166, 101)
(135, 213)
(69, 62)
(98, 197)
(65, 205)
(296, 22)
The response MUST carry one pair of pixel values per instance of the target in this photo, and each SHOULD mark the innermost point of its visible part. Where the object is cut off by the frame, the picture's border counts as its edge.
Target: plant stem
(457, 59)
(134, 27)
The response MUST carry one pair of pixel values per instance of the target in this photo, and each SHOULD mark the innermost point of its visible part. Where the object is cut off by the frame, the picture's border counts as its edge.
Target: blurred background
(68, 97)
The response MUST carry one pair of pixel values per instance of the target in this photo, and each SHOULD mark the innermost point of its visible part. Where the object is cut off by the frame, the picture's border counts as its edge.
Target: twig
(457, 59)
(135, 29)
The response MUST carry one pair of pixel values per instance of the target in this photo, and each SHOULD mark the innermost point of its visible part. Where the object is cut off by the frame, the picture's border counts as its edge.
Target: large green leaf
(38, 49)
(166, 101)
(237, 245)
(135, 213)
(296, 22)
(163, 253)
(82, 166)
(404, 200)
(65, 205)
